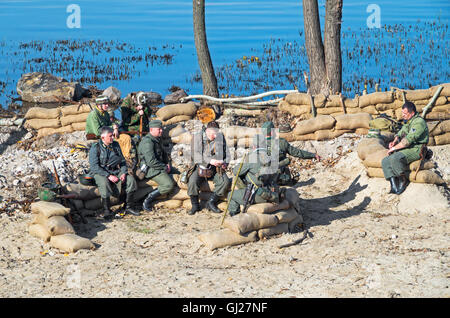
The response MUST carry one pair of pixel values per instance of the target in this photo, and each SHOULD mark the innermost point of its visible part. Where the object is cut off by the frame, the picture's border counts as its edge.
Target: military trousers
(394, 165)
(238, 199)
(221, 183)
(165, 182)
(108, 188)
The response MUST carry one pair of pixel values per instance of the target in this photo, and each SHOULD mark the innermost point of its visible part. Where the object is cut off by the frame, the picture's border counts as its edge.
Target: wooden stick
(237, 99)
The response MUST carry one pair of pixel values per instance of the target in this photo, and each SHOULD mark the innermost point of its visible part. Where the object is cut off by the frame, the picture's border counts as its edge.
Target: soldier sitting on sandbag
(109, 169)
(259, 175)
(268, 140)
(154, 163)
(409, 145)
(134, 109)
(210, 157)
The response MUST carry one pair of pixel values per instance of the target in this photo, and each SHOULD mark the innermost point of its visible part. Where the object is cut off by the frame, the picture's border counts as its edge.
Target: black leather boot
(106, 214)
(394, 184)
(195, 205)
(402, 184)
(149, 199)
(129, 207)
(211, 204)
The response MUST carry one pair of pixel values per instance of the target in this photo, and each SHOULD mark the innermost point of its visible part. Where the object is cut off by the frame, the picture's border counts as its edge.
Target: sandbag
(79, 126)
(294, 110)
(436, 115)
(247, 222)
(423, 176)
(297, 221)
(376, 98)
(177, 119)
(42, 123)
(334, 101)
(82, 192)
(49, 209)
(268, 207)
(204, 186)
(321, 122)
(442, 139)
(176, 131)
(352, 121)
(426, 165)
(431, 142)
(370, 110)
(79, 118)
(43, 132)
(286, 216)
(329, 134)
(413, 95)
(292, 196)
(442, 100)
(70, 243)
(75, 109)
(37, 230)
(275, 230)
(184, 138)
(361, 131)
(169, 111)
(226, 237)
(289, 136)
(328, 110)
(178, 194)
(438, 128)
(374, 159)
(304, 137)
(441, 108)
(238, 132)
(56, 225)
(367, 146)
(245, 142)
(169, 204)
(444, 92)
(43, 113)
(187, 205)
(389, 106)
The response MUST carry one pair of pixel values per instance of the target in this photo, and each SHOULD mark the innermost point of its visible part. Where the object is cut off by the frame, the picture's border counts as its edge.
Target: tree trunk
(332, 43)
(204, 59)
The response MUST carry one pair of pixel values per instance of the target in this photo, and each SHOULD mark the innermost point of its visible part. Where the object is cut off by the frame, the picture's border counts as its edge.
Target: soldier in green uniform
(133, 107)
(405, 148)
(108, 167)
(258, 173)
(209, 154)
(268, 140)
(99, 117)
(152, 154)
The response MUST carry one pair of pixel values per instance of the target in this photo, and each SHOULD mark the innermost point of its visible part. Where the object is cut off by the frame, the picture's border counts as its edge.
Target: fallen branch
(237, 99)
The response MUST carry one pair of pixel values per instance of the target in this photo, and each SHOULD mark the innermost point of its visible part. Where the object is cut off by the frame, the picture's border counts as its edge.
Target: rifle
(249, 194)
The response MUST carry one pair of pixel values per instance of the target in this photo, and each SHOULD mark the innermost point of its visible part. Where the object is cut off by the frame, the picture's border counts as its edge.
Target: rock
(46, 88)
(113, 94)
(153, 98)
(175, 97)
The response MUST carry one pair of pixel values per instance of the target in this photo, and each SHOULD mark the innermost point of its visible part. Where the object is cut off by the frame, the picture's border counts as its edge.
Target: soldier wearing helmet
(135, 106)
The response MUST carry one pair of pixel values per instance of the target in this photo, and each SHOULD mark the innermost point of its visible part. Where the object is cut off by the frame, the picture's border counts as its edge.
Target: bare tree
(201, 44)
(324, 58)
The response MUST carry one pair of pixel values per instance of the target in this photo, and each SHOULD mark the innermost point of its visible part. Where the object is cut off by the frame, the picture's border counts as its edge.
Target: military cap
(102, 99)
(155, 124)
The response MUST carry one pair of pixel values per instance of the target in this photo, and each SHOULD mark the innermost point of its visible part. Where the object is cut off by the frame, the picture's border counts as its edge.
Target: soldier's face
(156, 132)
(211, 133)
(105, 107)
(107, 138)
(406, 115)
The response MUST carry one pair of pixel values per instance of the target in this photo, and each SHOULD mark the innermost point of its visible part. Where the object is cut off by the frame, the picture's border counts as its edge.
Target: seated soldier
(152, 153)
(135, 108)
(268, 140)
(108, 167)
(406, 147)
(209, 154)
(258, 173)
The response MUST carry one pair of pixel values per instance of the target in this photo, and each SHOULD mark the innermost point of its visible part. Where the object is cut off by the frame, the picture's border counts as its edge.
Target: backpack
(385, 123)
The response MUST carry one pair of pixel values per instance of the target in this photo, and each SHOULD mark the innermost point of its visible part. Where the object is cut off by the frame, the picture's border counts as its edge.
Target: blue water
(234, 29)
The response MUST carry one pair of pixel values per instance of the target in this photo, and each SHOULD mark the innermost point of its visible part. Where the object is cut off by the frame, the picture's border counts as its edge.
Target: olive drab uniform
(97, 119)
(416, 133)
(131, 118)
(257, 171)
(202, 151)
(105, 161)
(152, 153)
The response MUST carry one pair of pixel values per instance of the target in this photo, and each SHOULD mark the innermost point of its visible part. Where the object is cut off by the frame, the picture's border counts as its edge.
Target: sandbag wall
(439, 133)
(261, 221)
(64, 119)
(50, 225)
(372, 151)
(175, 113)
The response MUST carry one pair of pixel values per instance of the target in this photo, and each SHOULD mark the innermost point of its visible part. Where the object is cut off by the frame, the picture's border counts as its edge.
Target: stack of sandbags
(316, 128)
(176, 113)
(240, 136)
(261, 221)
(358, 123)
(75, 116)
(50, 224)
(439, 133)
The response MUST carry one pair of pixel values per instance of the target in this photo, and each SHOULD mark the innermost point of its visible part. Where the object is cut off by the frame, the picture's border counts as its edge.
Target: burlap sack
(426, 165)
(413, 95)
(178, 194)
(442, 139)
(49, 209)
(352, 121)
(329, 110)
(351, 103)
(247, 222)
(375, 172)
(442, 100)
(369, 145)
(79, 126)
(245, 142)
(423, 176)
(82, 192)
(169, 204)
(204, 186)
(238, 132)
(445, 91)
(70, 243)
(390, 106)
(169, 111)
(184, 138)
(76, 109)
(176, 131)
(177, 119)
(286, 216)
(297, 221)
(333, 101)
(304, 137)
(56, 225)
(297, 99)
(442, 108)
(438, 128)
(43, 132)
(125, 144)
(293, 197)
(374, 159)
(431, 142)
(43, 113)
(435, 115)
(226, 237)
(289, 136)
(376, 98)
(42, 123)
(275, 230)
(361, 131)
(370, 110)
(321, 122)
(264, 208)
(294, 110)
(329, 134)
(37, 230)
(79, 118)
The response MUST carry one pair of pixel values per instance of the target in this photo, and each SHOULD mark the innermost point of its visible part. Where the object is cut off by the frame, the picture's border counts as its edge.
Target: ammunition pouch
(205, 172)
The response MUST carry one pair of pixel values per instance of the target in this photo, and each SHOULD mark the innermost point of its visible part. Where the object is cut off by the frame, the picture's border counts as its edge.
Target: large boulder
(175, 97)
(113, 94)
(46, 88)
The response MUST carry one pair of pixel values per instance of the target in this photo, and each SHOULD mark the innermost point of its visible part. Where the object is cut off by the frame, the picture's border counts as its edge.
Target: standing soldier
(152, 154)
(210, 156)
(267, 140)
(408, 145)
(109, 169)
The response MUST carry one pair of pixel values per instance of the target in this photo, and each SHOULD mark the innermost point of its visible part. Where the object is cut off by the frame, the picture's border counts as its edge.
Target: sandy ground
(364, 243)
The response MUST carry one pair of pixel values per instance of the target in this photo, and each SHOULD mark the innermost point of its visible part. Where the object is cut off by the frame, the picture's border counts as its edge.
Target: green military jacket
(96, 120)
(152, 153)
(130, 116)
(106, 160)
(416, 133)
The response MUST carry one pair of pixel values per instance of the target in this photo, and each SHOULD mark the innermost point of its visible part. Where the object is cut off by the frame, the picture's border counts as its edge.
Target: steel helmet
(142, 98)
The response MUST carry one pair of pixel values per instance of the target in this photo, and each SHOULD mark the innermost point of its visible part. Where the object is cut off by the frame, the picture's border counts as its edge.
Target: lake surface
(149, 45)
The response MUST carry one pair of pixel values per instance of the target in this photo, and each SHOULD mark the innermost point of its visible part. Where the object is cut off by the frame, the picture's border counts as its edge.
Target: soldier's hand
(122, 177)
(141, 113)
(168, 168)
(113, 178)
